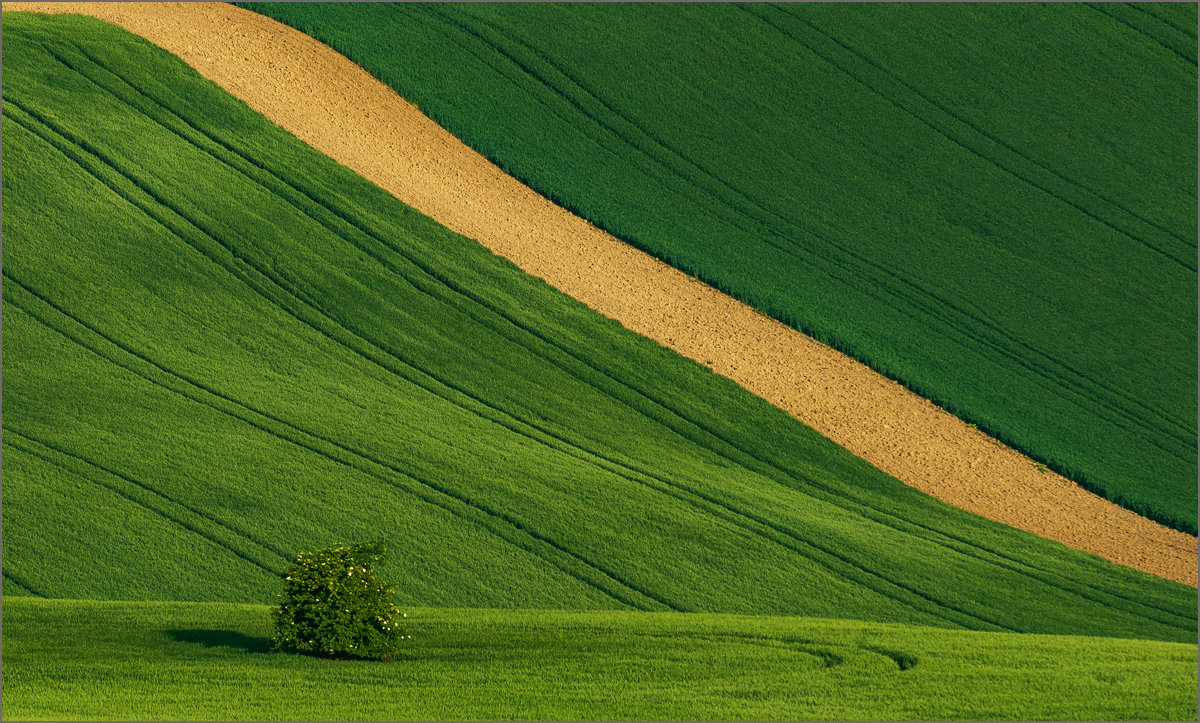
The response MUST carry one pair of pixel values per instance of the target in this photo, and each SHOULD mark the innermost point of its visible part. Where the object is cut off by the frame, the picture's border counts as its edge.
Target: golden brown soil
(336, 107)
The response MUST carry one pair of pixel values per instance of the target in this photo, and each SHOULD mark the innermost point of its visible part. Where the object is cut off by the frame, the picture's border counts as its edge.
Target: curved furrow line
(1190, 33)
(987, 134)
(486, 521)
(920, 299)
(1099, 7)
(813, 648)
(643, 162)
(670, 159)
(115, 489)
(25, 587)
(1185, 263)
(229, 527)
(825, 651)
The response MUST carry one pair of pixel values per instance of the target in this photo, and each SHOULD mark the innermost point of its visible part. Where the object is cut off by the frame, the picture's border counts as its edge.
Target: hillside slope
(222, 347)
(341, 110)
(994, 204)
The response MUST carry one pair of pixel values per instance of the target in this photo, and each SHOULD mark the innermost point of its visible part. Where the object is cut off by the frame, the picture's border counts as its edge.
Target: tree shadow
(222, 639)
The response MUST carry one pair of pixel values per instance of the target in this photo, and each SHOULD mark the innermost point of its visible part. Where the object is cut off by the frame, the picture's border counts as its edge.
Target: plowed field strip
(335, 106)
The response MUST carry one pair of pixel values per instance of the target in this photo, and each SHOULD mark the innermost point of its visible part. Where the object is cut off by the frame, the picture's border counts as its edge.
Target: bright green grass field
(69, 659)
(994, 204)
(222, 348)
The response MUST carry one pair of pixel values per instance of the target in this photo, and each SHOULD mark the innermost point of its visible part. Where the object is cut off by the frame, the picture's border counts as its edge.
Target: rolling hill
(993, 204)
(223, 348)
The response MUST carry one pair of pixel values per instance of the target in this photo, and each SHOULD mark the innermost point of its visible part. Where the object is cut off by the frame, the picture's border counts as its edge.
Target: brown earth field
(338, 108)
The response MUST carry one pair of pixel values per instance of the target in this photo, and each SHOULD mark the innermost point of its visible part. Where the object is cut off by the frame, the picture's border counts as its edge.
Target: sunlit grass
(69, 659)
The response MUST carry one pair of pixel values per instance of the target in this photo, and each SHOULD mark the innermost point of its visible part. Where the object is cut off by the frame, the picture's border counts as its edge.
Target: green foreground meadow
(992, 203)
(70, 659)
(223, 348)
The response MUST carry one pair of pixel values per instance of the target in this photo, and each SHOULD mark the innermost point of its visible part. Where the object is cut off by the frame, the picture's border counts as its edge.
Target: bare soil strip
(339, 109)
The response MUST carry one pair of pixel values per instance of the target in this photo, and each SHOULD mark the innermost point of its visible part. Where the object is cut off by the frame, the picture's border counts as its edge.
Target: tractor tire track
(24, 586)
(1186, 56)
(1185, 263)
(175, 519)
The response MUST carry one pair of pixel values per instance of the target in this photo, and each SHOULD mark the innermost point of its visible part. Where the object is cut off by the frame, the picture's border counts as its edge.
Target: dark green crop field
(994, 204)
(222, 348)
(68, 659)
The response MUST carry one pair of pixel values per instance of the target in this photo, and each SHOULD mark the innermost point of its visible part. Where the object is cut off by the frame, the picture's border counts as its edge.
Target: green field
(169, 661)
(994, 204)
(223, 348)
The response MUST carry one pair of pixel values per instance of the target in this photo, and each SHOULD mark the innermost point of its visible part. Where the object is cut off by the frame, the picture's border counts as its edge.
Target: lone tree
(333, 605)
